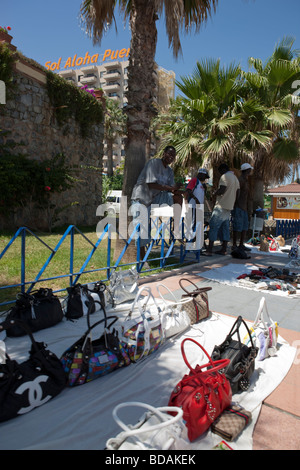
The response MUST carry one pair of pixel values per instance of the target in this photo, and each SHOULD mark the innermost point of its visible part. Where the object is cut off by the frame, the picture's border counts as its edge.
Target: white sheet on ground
(282, 251)
(80, 418)
(228, 275)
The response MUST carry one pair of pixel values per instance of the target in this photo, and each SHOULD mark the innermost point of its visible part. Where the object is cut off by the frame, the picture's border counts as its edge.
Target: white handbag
(264, 332)
(174, 318)
(141, 330)
(155, 430)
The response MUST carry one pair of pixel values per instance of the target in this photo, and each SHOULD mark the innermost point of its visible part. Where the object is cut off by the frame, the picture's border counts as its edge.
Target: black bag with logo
(32, 383)
(39, 310)
(84, 298)
(242, 358)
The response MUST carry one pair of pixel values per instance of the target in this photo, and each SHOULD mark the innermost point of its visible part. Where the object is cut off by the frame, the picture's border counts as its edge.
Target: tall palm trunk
(141, 85)
(140, 109)
(109, 151)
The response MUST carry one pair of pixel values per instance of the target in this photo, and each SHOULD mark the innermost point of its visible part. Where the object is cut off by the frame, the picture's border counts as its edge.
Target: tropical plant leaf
(279, 117)
(286, 150)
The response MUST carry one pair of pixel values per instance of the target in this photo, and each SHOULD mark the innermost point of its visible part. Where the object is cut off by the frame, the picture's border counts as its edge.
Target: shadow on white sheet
(80, 418)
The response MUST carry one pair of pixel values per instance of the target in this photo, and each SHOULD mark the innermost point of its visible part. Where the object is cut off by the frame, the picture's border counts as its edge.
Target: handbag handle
(260, 316)
(137, 298)
(198, 290)
(162, 413)
(90, 327)
(176, 302)
(235, 329)
(214, 365)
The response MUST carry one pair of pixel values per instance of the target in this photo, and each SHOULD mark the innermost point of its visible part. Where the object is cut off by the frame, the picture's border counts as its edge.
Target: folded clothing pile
(271, 278)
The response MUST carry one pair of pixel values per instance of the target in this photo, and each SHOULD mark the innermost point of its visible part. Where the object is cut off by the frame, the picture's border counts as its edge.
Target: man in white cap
(240, 220)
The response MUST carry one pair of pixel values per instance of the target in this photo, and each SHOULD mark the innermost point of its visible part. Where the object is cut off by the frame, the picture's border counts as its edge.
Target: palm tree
(270, 87)
(236, 116)
(202, 122)
(180, 15)
(114, 127)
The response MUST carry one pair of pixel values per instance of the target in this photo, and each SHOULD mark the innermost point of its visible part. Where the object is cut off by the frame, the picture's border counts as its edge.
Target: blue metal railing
(288, 228)
(163, 237)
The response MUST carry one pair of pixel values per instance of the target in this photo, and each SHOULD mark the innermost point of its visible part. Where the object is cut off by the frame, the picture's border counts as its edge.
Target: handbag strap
(260, 313)
(176, 302)
(162, 413)
(214, 365)
(198, 290)
(235, 329)
(90, 327)
(137, 303)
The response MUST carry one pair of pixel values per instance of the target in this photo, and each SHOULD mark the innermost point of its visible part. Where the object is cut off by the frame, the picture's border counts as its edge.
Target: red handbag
(202, 394)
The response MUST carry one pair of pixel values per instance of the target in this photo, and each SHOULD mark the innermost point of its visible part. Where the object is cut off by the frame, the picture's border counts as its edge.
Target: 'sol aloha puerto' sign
(87, 59)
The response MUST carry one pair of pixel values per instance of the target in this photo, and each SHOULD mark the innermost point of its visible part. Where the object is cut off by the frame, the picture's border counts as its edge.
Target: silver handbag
(123, 287)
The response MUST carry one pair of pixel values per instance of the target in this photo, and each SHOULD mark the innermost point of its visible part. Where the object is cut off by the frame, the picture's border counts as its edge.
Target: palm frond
(220, 145)
(97, 16)
(252, 140)
(227, 123)
(279, 117)
(286, 150)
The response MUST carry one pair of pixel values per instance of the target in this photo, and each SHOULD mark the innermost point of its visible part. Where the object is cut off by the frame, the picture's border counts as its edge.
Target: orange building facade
(285, 201)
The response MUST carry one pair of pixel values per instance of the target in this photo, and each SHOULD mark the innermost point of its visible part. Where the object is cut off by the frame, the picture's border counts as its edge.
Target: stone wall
(30, 120)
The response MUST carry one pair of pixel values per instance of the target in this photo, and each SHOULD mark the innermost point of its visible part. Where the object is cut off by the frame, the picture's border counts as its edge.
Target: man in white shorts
(226, 193)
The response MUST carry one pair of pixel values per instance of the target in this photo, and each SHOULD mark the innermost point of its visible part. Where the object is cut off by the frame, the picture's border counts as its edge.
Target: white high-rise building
(111, 76)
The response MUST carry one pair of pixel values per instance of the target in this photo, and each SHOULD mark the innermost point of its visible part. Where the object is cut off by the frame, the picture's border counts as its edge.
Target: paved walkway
(278, 425)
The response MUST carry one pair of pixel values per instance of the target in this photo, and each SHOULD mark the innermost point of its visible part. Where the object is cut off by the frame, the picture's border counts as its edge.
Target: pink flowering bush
(5, 29)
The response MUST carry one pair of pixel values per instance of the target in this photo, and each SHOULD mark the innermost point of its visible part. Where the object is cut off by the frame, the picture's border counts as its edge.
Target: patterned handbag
(142, 330)
(198, 307)
(264, 332)
(231, 422)
(88, 359)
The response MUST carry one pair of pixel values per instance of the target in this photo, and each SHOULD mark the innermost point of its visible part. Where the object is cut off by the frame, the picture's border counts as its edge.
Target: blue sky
(45, 31)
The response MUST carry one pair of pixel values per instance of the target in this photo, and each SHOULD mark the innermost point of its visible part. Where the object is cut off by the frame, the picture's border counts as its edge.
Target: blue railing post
(72, 274)
(108, 252)
(71, 255)
(23, 259)
(138, 248)
(162, 248)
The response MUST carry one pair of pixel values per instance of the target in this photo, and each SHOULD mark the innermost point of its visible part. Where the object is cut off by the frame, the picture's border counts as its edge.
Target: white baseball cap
(204, 171)
(246, 166)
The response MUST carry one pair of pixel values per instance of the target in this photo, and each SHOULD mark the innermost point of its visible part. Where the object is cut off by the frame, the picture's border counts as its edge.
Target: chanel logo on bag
(35, 393)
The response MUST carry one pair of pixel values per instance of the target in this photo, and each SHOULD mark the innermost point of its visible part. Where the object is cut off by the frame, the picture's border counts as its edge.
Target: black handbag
(88, 359)
(242, 358)
(81, 298)
(32, 383)
(39, 310)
